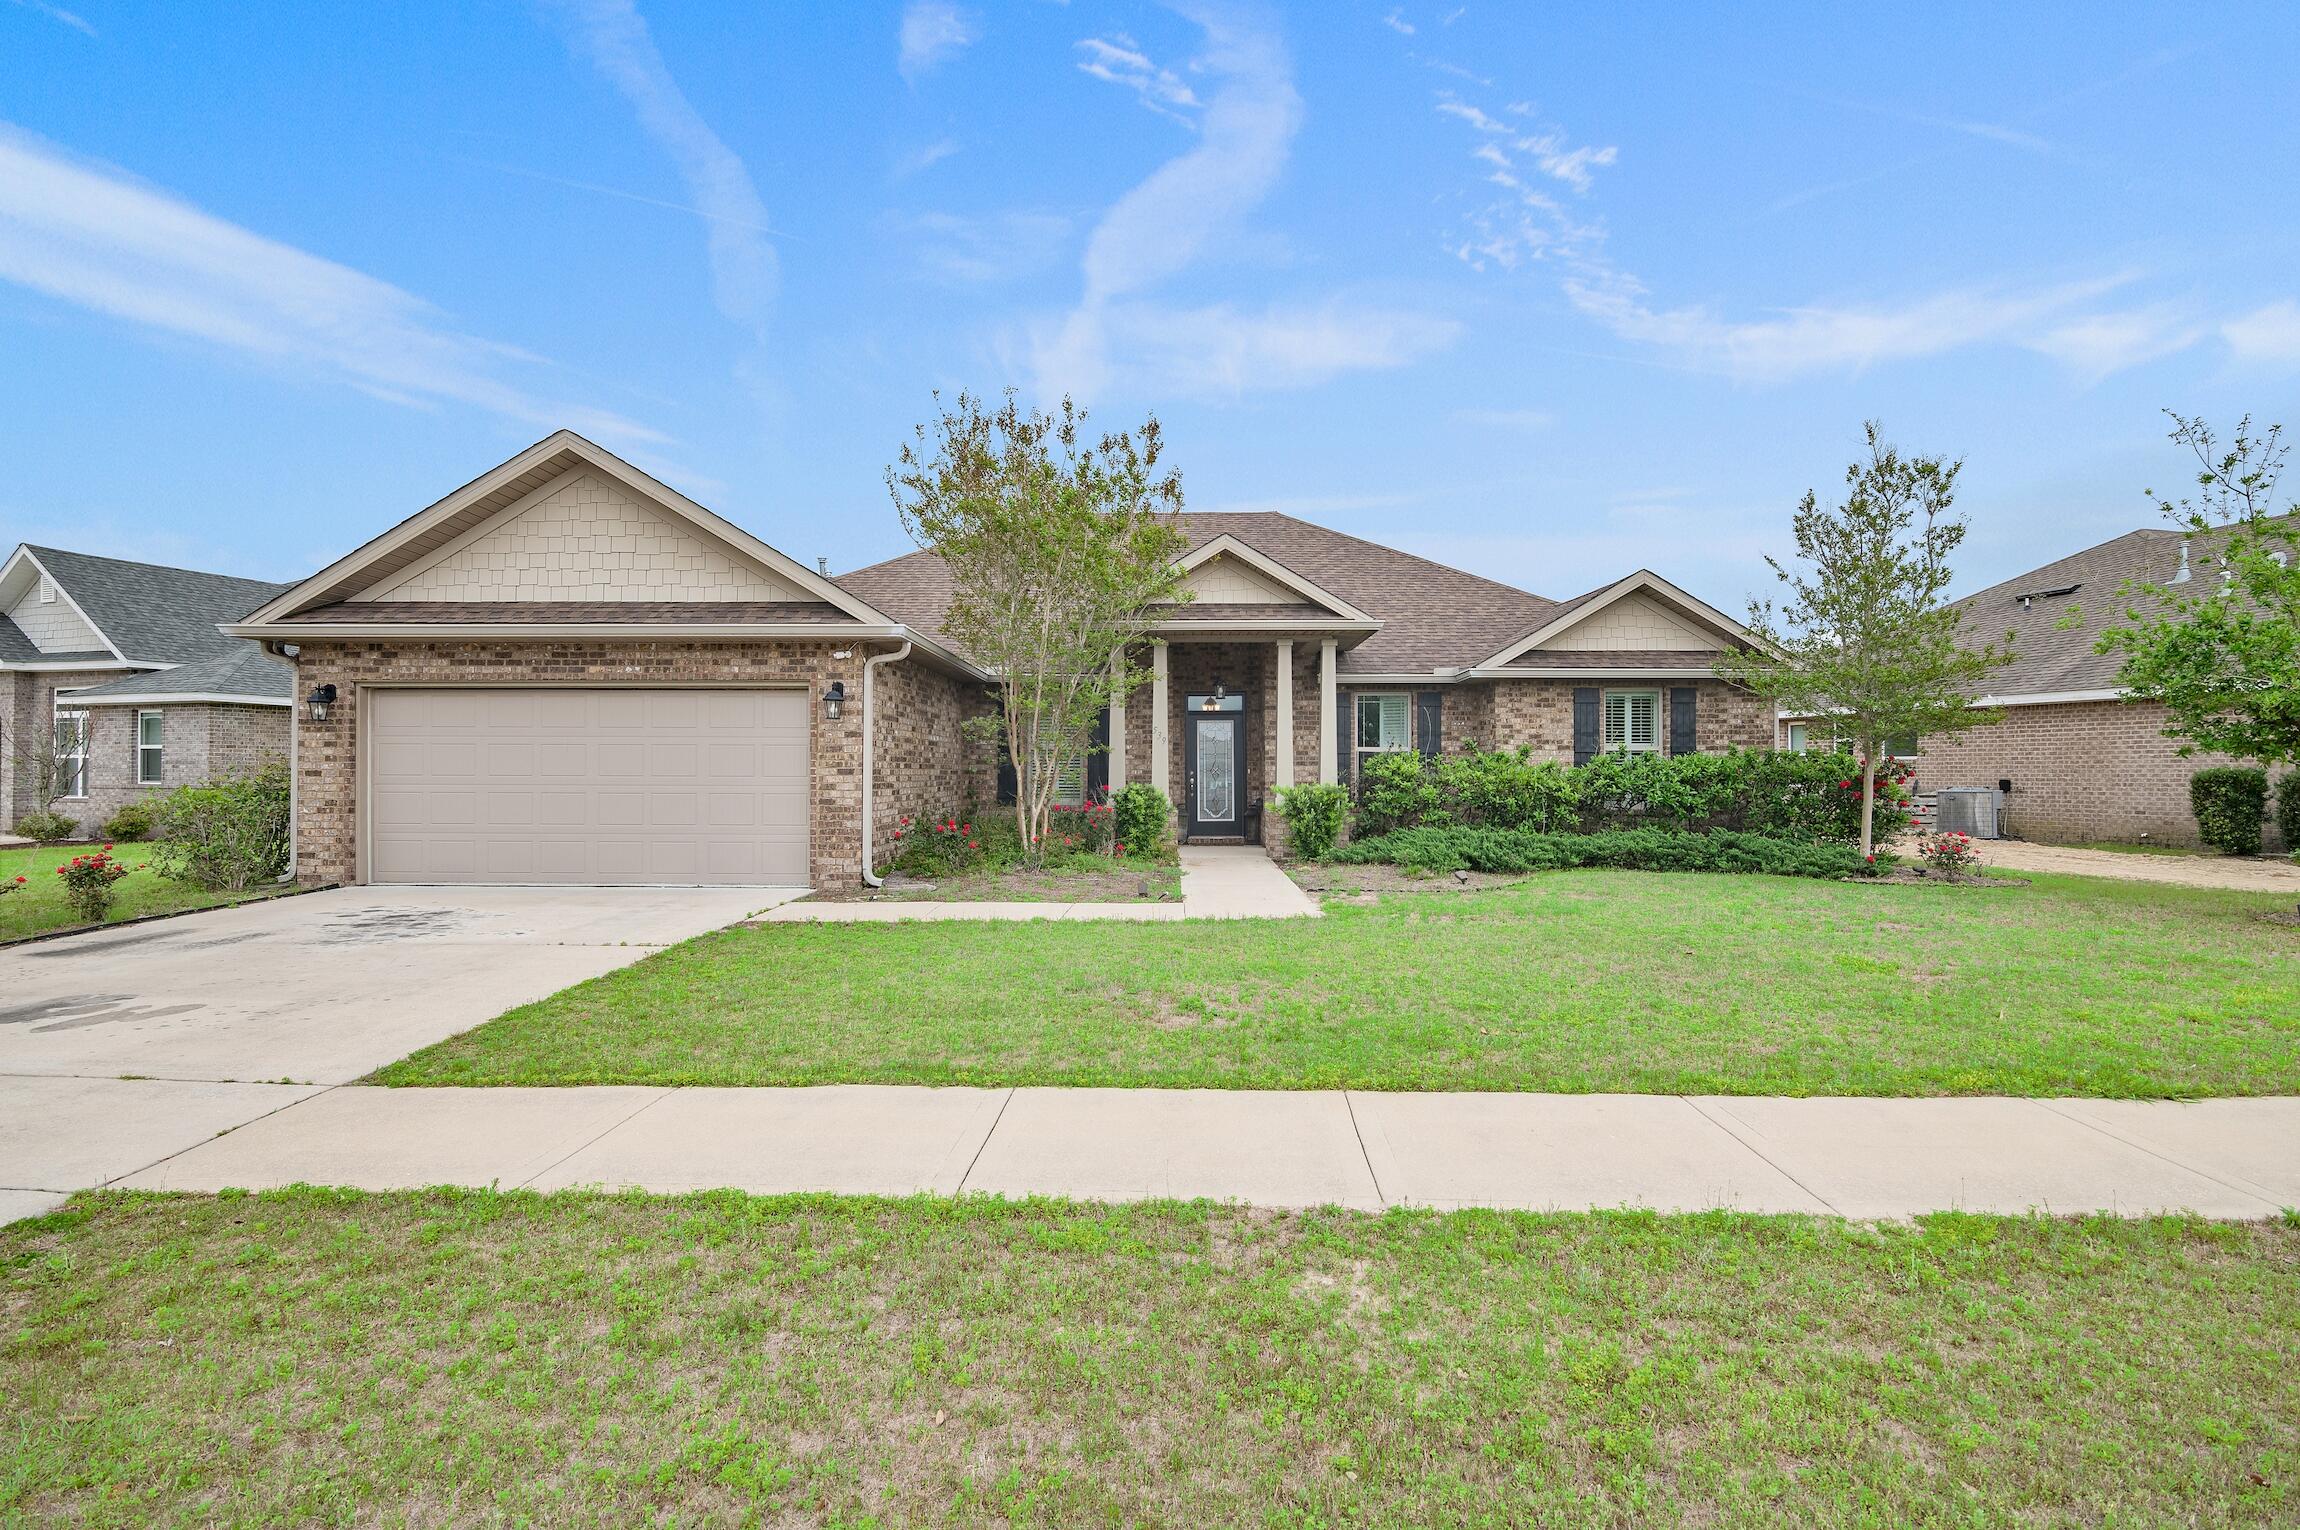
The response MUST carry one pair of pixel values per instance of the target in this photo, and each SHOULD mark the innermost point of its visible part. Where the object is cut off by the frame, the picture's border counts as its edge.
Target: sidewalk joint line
(1759, 1154)
(1359, 1132)
(320, 1094)
(665, 1092)
(984, 1145)
(2256, 1192)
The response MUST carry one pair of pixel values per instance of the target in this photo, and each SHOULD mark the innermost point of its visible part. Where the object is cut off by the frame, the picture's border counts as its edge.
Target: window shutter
(1346, 738)
(1681, 730)
(1098, 758)
(1584, 724)
(1429, 724)
(1008, 783)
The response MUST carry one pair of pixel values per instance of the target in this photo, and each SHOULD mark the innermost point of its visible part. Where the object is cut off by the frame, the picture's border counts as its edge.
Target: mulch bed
(1911, 876)
(1066, 886)
(1366, 883)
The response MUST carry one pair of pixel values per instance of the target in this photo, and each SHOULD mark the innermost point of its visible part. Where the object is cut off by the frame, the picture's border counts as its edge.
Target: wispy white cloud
(924, 157)
(933, 32)
(91, 235)
(1828, 337)
(57, 13)
(2268, 334)
(613, 38)
(1507, 148)
(982, 250)
(1189, 206)
(2096, 345)
(1396, 22)
(1120, 60)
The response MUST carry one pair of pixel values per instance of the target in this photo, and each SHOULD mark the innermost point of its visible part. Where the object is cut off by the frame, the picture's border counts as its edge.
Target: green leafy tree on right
(2221, 649)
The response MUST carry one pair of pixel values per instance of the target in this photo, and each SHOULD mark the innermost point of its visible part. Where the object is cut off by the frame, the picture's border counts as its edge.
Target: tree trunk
(1868, 804)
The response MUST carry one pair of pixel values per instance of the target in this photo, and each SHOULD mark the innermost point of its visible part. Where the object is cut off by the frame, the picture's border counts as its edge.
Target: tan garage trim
(585, 785)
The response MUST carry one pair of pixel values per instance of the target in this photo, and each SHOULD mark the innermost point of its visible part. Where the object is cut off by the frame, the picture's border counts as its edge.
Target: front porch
(1224, 723)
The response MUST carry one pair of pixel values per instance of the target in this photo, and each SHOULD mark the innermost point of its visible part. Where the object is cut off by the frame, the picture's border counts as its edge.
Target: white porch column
(1158, 748)
(1284, 775)
(1329, 764)
(1117, 723)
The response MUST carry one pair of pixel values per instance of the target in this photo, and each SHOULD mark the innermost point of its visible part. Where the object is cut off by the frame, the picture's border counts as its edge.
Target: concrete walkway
(1218, 882)
(2242, 873)
(1861, 1158)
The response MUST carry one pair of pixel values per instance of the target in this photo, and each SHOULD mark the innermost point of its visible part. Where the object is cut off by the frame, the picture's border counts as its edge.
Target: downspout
(870, 875)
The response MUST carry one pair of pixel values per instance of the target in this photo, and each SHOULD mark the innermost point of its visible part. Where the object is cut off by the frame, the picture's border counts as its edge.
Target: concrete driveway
(121, 1047)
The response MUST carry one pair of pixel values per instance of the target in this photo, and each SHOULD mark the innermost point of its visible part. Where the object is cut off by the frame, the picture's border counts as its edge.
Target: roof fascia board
(1617, 672)
(31, 667)
(439, 555)
(277, 632)
(1172, 631)
(177, 698)
(2050, 698)
(30, 557)
(1644, 579)
(1264, 563)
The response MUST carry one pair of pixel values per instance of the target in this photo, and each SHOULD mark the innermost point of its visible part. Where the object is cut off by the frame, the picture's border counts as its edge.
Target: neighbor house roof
(159, 621)
(1432, 617)
(2053, 650)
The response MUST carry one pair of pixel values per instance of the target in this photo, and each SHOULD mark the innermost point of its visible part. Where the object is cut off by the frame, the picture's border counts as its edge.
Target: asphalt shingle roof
(2050, 657)
(1432, 616)
(154, 614)
(245, 671)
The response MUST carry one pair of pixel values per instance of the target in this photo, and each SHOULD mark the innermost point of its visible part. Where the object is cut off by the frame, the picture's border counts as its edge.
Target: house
(122, 664)
(566, 671)
(2080, 762)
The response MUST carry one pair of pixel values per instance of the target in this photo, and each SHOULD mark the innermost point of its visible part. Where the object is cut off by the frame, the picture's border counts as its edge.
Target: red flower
(1844, 786)
(971, 845)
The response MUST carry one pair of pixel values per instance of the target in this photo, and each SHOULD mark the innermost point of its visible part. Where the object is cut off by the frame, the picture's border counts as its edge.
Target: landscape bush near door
(1514, 851)
(1313, 814)
(2229, 802)
(1803, 798)
(227, 835)
(1141, 818)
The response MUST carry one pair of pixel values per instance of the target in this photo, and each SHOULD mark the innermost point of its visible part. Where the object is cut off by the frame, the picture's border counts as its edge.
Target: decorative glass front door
(1214, 777)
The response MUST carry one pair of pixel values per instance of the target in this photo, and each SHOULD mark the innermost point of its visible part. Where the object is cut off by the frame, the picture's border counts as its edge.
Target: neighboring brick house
(566, 671)
(124, 666)
(2083, 763)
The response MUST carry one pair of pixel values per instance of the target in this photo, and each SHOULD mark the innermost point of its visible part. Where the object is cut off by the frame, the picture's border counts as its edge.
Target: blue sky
(1550, 293)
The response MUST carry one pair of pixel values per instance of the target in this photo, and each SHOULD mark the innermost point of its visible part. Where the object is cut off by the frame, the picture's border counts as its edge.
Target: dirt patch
(1366, 884)
(2281, 916)
(1162, 884)
(2245, 873)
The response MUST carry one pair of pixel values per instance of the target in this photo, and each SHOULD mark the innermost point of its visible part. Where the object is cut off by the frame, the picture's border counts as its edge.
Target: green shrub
(1814, 797)
(952, 843)
(2288, 811)
(132, 823)
(2229, 802)
(1521, 850)
(1141, 817)
(226, 835)
(1313, 815)
(88, 881)
(45, 825)
(1397, 791)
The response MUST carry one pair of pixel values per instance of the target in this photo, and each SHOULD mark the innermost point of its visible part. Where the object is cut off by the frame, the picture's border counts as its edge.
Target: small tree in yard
(2221, 650)
(1058, 548)
(1867, 637)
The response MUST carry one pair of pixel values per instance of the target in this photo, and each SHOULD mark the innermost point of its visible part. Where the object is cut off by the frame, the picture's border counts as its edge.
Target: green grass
(1574, 981)
(471, 1358)
(39, 906)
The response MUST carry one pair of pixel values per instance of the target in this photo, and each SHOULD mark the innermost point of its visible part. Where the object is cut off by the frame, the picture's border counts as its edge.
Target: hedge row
(1521, 850)
(1808, 797)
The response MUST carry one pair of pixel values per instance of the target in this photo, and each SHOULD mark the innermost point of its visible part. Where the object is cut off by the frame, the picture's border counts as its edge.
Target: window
(1799, 739)
(1633, 721)
(1385, 722)
(1902, 748)
(72, 754)
(150, 757)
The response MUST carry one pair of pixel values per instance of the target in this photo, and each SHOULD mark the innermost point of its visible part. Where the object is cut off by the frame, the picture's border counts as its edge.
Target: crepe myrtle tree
(1059, 545)
(2221, 648)
(1866, 636)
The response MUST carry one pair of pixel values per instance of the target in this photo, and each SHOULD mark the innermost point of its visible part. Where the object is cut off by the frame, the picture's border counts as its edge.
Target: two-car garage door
(587, 787)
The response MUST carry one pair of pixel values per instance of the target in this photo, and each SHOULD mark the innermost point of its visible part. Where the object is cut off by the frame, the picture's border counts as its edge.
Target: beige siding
(1228, 581)
(583, 538)
(1635, 622)
(54, 627)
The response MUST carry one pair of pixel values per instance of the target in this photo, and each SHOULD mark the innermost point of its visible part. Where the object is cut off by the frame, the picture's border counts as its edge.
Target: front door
(1217, 772)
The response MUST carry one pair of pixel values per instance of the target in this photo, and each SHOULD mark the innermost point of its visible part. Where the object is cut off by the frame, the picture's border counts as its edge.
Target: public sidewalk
(1862, 1158)
(1218, 882)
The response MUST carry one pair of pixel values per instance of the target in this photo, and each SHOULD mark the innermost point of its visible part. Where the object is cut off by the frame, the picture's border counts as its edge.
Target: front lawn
(470, 1357)
(39, 905)
(1576, 981)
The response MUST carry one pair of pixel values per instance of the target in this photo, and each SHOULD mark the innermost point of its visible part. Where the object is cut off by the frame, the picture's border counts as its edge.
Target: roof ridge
(1384, 547)
(166, 568)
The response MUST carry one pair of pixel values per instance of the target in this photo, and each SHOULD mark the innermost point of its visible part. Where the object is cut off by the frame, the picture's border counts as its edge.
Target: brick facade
(923, 761)
(199, 740)
(918, 710)
(2082, 771)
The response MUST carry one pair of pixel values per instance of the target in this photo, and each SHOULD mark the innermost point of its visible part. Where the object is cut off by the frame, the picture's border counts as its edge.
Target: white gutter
(169, 698)
(870, 875)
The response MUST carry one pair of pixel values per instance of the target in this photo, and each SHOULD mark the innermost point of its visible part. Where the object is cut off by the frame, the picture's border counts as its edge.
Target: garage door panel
(597, 787)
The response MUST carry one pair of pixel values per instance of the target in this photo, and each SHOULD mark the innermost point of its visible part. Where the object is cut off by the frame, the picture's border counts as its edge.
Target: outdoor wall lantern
(321, 698)
(835, 700)
(1214, 702)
